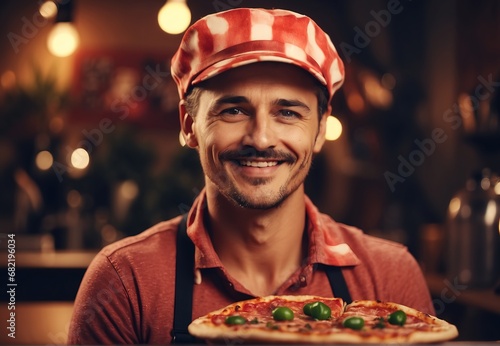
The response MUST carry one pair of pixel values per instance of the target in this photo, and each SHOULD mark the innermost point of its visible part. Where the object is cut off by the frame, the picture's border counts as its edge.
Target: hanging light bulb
(174, 17)
(63, 39)
(48, 9)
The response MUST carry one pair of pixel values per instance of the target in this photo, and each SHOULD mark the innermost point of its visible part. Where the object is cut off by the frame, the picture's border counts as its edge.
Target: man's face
(256, 130)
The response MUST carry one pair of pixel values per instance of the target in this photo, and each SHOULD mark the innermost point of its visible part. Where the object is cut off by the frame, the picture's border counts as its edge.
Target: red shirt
(127, 293)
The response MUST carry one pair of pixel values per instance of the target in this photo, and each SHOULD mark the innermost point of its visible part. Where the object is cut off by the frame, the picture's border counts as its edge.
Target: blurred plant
(126, 157)
(122, 157)
(26, 112)
(176, 188)
(28, 109)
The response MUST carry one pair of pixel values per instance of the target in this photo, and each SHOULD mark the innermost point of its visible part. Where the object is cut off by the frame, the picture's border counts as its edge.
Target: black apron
(184, 282)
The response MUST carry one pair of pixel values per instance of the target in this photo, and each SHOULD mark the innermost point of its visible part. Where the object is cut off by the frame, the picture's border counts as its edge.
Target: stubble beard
(268, 202)
(273, 200)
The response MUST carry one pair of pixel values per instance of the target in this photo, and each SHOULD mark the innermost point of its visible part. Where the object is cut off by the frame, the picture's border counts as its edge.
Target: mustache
(250, 152)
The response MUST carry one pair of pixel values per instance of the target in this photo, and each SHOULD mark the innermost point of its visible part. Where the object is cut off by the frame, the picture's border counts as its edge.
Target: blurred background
(90, 150)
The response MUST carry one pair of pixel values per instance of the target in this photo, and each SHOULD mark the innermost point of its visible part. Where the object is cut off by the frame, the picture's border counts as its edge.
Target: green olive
(354, 322)
(398, 318)
(307, 309)
(235, 319)
(318, 310)
(282, 313)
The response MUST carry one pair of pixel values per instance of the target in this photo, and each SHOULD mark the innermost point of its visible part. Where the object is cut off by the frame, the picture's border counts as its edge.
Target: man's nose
(261, 132)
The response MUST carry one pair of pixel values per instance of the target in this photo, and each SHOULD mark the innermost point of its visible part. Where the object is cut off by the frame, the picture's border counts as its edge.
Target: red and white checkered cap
(224, 40)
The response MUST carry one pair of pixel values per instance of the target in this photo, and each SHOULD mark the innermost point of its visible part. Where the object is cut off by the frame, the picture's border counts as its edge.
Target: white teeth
(259, 164)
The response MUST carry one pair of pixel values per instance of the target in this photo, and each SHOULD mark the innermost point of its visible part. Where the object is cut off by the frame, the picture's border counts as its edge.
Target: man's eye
(232, 111)
(289, 114)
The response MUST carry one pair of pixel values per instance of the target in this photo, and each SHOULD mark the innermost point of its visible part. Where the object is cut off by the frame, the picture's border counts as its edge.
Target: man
(255, 88)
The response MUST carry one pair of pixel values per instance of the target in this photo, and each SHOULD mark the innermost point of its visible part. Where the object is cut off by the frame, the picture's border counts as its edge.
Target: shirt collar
(326, 245)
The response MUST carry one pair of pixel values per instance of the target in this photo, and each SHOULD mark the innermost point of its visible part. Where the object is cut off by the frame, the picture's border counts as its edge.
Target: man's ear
(320, 137)
(187, 126)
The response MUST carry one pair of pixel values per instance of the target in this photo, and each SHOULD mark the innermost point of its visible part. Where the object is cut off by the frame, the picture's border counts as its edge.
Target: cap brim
(251, 58)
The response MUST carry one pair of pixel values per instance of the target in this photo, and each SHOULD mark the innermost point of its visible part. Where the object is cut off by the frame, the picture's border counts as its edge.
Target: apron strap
(338, 284)
(184, 282)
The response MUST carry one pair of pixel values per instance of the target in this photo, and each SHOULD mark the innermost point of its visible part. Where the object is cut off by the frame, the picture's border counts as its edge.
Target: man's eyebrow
(291, 103)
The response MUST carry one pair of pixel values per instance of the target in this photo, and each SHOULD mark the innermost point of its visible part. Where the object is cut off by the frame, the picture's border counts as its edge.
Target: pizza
(312, 319)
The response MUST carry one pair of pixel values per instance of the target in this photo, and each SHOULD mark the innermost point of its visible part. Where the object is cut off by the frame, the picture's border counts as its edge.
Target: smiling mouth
(253, 158)
(258, 164)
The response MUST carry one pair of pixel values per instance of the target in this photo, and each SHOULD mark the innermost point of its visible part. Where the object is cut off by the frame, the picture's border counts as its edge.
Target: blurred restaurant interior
(90, 149)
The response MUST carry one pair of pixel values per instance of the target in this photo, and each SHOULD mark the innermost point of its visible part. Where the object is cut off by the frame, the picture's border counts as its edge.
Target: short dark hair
(193, 96)
(191, 100)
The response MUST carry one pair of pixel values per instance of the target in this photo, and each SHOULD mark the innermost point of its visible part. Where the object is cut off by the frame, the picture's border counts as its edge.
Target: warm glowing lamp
(48, 9)
(63, 38)
(80, 158)
(44, 160)
(333, 128)
(174, 17)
